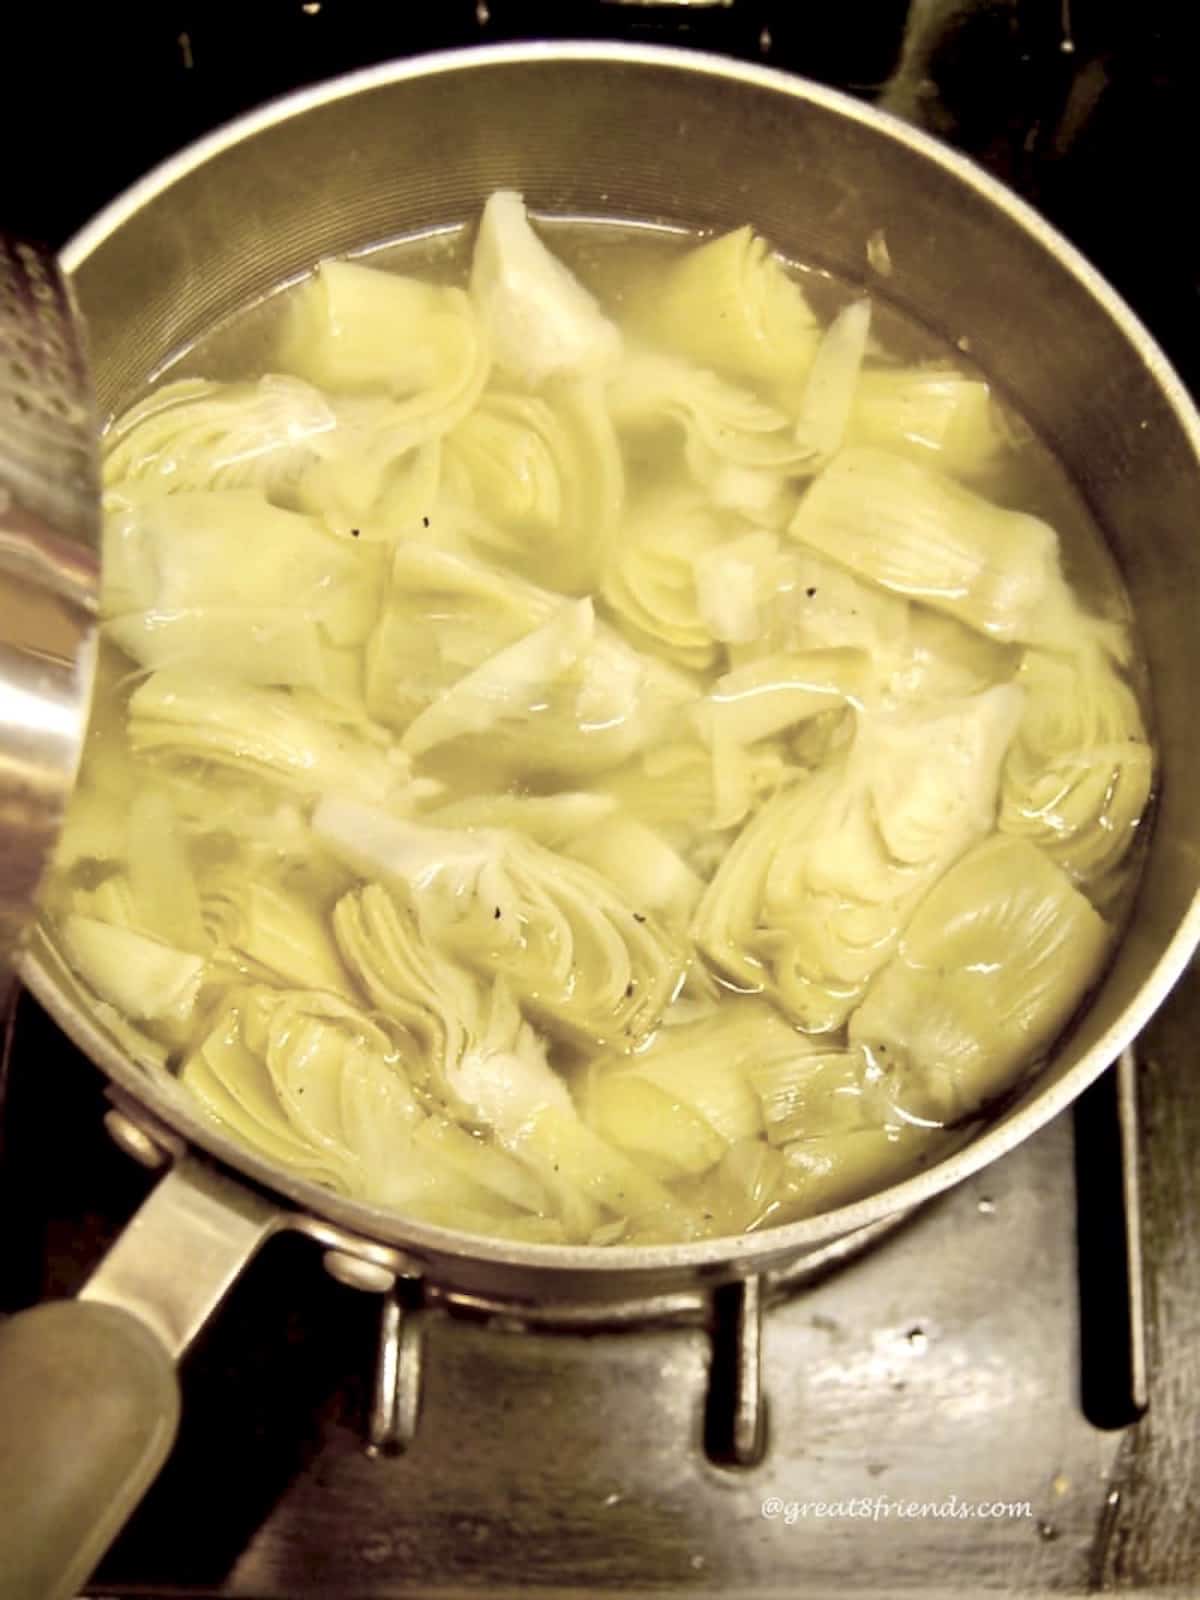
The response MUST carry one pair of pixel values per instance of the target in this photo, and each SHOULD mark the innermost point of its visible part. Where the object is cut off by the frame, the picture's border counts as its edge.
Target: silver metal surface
(748, 1434)
(1131, 1184)
(355, 1273)
(135, 1141)
(396, 1395)
(183, 1251)
(49, 579)
(706, 143)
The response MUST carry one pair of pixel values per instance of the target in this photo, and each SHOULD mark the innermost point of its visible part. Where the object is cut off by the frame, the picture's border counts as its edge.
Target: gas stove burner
(731, 1314)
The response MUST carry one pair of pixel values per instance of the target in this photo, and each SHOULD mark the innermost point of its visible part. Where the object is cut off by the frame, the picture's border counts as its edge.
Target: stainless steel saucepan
(591, 131)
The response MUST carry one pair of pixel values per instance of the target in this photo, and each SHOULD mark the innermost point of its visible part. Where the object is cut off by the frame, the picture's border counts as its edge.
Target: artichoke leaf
(479, 1057)
(272, 933)
(313, 1083)
(681, 1103)
(650, 391)
(827, 399)
(194, 434)
(146, 979)
(266, 734)
(226, 550)
(541, 320)
(772, 693)
(736, 583)
(569, 701)
(554, 820)
(641, 865)
(835, 1169)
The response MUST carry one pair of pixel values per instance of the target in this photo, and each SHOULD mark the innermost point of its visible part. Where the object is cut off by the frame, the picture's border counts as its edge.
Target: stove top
(1001, 1396)
(956, 1411)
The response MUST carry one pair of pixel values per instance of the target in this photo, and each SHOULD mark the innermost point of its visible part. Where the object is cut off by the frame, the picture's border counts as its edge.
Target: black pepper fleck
(638, 917)
(424, 522)
(354, 533)
(496, 913)
(810, 593)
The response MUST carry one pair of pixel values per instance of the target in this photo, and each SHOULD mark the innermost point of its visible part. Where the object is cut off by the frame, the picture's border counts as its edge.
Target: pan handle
(89, 1397)
(89, 1404)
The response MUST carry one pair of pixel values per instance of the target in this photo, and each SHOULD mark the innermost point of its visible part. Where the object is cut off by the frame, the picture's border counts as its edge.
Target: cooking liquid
(613, 259)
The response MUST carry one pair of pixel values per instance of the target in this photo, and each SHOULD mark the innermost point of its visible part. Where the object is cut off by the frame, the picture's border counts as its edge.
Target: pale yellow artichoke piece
(808, 902)
(541, 320)
(747, 1189)
(144, 978)
(194, 434)
(667, 1137)
(545, 473)
(731, 304)
(351, 328)
(721, 422)
(513, 681)
(835, 1169)
(447, 616)
(266, 734)
(491, 1168)
(478, 1055)
(681, 1102)
(264, 646)
(640, 865)
(737, 583)
(811, 1090)
(558, 934)
(770, 694)
(563, 1150)
(933, 413)
(371, 483)
(554, 820)
(1080, 773)
(991, 967)
(921, 534)
(269, 933)
(827, 399)
(230, 550)
(650, 579)
(313, 1083)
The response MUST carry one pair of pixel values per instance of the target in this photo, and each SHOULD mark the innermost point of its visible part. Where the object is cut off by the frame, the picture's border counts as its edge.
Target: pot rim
(773, 1245)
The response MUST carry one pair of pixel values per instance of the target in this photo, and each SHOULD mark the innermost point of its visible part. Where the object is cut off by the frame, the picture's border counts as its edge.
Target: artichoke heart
(463, 651)
(1078, 778)
(544, 472)
(560, 935)
(921, 534)
(810, 899)
(730, 304)
(987, 974)
(351, 329)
